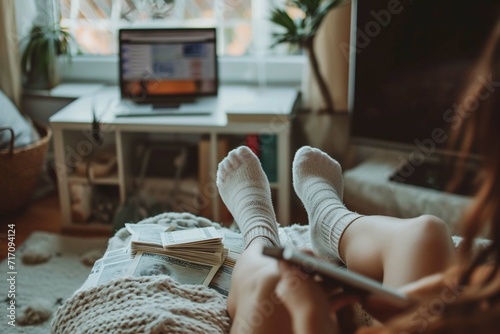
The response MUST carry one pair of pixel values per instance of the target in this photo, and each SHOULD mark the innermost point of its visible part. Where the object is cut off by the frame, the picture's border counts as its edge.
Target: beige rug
(49, 269)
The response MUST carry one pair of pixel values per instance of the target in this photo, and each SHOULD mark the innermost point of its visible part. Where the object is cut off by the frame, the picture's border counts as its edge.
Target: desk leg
(213, 170)
(60, 168)
(284, 176)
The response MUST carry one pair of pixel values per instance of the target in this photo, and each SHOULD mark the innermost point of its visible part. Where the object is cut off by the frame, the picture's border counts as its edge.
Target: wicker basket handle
(11, 143)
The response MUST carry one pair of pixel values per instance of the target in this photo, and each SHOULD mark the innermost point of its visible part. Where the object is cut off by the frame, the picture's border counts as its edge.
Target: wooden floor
(43, 215)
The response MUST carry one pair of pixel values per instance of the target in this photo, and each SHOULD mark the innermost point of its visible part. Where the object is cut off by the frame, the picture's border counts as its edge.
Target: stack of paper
(187, 272)
(192, 256)
(198, 245)
(120, 263)
(114, 264)
(222, 279)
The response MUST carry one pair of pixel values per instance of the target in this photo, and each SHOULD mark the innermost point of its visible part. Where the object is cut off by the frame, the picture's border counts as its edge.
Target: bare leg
(252, 304)
(395, 251)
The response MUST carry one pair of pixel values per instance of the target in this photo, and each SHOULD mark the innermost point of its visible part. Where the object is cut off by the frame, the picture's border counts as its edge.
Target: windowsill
(243, 70)
(68, 90)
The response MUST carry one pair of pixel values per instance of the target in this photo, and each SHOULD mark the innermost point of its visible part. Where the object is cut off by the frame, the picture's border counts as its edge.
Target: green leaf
(44, 59)
(288, 38)
(43, 45)
(302, 29)
(281, 18)
(300, 4)
(309, 7)
(26, 58)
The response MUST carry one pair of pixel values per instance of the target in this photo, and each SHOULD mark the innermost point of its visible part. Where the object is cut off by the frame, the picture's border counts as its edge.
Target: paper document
(147, 264)
(186, 237)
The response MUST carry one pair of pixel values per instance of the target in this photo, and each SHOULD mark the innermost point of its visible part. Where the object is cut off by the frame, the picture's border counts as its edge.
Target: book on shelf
(206, 178)
(252, 141)
(265, 147)
(268, 147)
(187, 255)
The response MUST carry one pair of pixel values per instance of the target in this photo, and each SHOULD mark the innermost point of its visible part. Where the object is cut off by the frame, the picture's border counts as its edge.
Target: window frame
(259, 69)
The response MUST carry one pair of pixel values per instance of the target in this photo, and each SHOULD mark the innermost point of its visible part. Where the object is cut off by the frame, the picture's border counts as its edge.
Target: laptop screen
(162, 65)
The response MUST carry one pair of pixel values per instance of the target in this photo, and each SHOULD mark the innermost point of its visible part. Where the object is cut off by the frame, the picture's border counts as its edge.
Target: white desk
(239, 110)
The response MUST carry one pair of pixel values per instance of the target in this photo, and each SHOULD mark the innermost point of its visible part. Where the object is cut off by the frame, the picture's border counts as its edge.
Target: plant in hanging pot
(302, 32)
(44, 46)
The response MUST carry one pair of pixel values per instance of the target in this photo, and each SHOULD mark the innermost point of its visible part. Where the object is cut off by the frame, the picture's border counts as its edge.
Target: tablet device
(347, 279)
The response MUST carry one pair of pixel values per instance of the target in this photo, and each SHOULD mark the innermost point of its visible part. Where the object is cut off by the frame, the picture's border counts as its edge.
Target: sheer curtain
(330, 132)
(10, 70)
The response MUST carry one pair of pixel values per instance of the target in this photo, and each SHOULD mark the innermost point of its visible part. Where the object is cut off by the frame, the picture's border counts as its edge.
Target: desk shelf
(108, 180)
(214, 136)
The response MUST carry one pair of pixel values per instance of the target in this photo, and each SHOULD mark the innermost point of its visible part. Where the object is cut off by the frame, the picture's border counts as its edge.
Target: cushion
(24, 131)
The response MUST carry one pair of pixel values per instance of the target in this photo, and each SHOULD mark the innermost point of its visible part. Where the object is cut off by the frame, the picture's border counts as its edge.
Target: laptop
(167, 72)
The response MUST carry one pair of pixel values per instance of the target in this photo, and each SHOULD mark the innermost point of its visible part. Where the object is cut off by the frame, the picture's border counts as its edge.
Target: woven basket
(20, 169)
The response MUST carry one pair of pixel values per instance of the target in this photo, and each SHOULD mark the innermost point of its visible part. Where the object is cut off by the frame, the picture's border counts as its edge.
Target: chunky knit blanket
(143, 305)
(156, 304)
(160, 304)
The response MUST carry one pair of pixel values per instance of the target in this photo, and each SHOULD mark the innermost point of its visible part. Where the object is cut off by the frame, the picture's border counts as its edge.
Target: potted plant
(44, 46)
(302, 32)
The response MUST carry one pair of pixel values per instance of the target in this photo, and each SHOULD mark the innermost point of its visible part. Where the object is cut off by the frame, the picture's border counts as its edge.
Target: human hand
(308, 300)
(382, 310)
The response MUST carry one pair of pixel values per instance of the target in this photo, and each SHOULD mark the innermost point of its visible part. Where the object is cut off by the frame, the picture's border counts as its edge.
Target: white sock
(245, 190)
(317, 180)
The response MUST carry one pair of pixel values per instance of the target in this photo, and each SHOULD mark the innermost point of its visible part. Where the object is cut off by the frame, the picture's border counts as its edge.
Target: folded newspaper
(196, 256)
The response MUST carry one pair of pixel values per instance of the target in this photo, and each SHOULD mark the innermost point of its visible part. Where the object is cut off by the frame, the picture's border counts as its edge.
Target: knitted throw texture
(144, 305)
(156, 304)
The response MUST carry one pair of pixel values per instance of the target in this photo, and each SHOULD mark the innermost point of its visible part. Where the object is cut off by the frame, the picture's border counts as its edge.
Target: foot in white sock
(317, 180)
(245, 190)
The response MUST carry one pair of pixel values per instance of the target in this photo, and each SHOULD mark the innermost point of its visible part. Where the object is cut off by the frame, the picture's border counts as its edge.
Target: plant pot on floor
(20, 169)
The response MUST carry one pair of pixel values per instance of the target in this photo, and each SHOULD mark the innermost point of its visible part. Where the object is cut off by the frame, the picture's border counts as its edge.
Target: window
(243, 26)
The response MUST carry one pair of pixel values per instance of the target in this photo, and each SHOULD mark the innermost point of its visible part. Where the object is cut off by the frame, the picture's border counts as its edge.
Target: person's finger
(294, 269)
(295, 287)
(309, 252)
